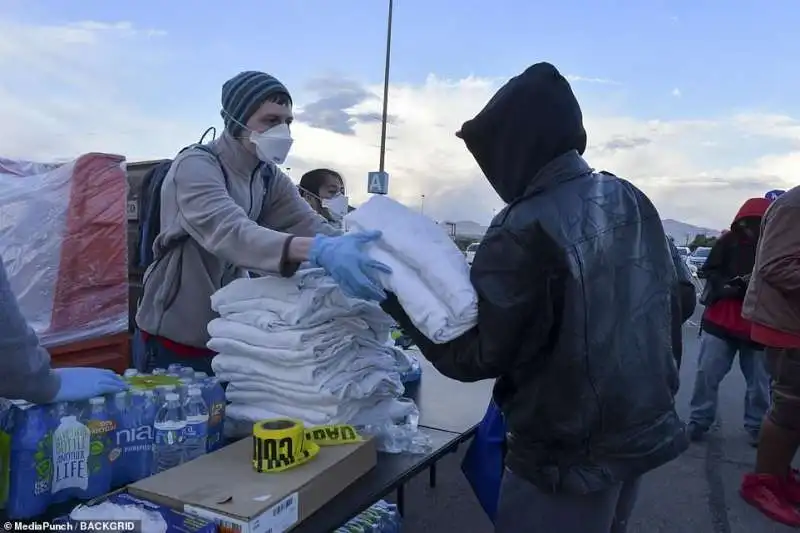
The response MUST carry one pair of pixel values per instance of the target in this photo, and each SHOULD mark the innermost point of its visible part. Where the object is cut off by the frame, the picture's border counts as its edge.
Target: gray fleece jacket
(233, 229)
(25, 372)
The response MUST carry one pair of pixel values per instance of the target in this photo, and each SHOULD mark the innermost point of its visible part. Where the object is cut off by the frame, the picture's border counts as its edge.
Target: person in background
(25, 371)
(724, 332)
(323, 189)
(772, 304)
(577, 299)
(685, 304)
(220, 221)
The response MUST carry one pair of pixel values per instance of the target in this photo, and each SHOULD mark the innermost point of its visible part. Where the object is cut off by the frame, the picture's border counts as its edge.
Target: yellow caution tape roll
(283, 443)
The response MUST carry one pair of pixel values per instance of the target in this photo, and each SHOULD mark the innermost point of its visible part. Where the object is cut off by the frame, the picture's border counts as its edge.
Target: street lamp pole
(386, 87)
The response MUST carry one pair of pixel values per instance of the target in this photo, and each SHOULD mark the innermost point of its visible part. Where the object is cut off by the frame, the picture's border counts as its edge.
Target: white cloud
(676, 92)
(73, 89)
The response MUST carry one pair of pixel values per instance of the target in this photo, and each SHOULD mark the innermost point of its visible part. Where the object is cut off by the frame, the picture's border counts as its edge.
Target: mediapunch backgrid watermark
(126, 526)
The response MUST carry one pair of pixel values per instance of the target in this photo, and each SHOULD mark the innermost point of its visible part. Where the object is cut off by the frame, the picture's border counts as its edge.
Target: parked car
(470, 253)
(683, 251)
(698, 258)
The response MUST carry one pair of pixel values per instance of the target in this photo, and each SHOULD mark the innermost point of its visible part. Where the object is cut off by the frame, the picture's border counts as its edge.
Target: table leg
(401, 500)
(432, 476)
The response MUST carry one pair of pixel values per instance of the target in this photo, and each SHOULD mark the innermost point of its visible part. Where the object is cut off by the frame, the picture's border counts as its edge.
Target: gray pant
(713, 364)
(523, 508)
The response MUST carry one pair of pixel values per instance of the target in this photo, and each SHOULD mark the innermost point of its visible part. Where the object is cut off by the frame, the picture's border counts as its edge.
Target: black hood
(530, 121)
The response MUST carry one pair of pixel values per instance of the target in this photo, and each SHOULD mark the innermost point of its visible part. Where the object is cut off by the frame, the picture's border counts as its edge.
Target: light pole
(385, 115)
(422, 204)
(378, 181)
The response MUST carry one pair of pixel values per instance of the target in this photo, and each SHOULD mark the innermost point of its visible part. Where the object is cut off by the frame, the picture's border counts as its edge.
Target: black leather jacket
(578, 300)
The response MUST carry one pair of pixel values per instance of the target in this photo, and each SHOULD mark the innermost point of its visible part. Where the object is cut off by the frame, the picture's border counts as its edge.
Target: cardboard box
(224, 487)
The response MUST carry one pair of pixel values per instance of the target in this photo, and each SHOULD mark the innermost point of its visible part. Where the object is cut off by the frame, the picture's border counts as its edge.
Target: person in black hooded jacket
(578, 305)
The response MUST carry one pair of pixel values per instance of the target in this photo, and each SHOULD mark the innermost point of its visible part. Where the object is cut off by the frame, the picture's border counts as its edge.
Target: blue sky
(708, 91)
(721, 55)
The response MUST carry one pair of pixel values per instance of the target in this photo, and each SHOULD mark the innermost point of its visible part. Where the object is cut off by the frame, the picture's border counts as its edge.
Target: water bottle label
(170, 436)
(197, 430)
(71, 452)
(135, 439)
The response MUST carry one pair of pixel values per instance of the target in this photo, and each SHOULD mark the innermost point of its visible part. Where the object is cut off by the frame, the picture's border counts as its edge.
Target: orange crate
(112, 352)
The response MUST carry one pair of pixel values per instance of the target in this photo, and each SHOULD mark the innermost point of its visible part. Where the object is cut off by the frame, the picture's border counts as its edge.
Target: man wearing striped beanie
(227, 211)
(256, 107)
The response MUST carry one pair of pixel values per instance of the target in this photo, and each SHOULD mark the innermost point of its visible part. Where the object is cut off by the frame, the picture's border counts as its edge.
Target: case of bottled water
(80, 450)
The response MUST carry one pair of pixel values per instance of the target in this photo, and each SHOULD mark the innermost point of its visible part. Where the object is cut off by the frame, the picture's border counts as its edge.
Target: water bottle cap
(194, 391)
(97, 400)
(121, 394)
(172, 397)
(200, 375)
(185, 381)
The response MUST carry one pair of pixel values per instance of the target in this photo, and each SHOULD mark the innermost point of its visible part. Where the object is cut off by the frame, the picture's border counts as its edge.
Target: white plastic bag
(63, 240)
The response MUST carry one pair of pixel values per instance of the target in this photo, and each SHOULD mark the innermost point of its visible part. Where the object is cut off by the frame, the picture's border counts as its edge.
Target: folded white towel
(429, 274)
(284, 304)
(306, 366)
(378, 412)
(352, 367)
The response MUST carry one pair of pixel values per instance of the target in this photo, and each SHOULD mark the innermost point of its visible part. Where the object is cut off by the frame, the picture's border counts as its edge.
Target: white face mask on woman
(336, 206)
(273, 145)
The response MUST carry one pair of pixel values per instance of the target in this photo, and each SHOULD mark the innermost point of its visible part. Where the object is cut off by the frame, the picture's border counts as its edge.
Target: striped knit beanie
(243, 94)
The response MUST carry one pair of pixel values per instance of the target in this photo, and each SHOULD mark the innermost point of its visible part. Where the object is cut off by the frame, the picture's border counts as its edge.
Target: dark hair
(313, 180)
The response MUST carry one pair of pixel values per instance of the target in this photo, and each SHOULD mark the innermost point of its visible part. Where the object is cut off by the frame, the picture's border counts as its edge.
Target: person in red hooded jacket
(724, 332)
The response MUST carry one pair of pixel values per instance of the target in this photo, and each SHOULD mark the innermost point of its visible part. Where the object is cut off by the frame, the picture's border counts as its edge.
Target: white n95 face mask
(273, 145)
(336, 206)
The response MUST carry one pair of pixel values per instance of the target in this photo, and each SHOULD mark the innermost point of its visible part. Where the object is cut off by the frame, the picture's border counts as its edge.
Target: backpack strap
(180, 240)
(206, 149)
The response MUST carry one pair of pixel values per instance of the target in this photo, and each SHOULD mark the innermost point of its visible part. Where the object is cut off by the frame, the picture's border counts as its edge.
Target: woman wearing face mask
(222, 218)
(323, 189)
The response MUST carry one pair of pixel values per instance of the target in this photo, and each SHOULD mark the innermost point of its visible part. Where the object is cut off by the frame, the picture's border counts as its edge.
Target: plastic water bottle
(187, 372)
(122, 411)
(159, 371)
(196, 424)
(200, 376)
(103, 431)
(174, 370)
(131, 372)
(170, 433)
(183, 389)
(162, 391)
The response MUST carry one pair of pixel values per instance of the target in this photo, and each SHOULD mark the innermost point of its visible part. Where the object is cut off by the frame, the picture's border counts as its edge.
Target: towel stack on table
(298, 347)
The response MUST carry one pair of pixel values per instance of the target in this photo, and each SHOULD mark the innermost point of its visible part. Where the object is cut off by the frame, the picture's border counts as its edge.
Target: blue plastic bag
(484, 460)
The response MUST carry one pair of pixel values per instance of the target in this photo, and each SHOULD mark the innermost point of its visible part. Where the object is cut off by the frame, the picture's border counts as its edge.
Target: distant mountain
(680, 231)
(683, 232)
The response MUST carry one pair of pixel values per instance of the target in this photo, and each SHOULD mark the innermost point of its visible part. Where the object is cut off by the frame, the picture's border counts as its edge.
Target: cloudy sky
(698, 106)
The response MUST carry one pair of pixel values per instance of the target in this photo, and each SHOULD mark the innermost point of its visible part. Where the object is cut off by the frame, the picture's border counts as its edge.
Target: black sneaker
(695, 432)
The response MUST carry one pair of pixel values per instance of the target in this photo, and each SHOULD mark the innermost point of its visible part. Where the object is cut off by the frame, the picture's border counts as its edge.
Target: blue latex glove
(83, 383)
(343, 258)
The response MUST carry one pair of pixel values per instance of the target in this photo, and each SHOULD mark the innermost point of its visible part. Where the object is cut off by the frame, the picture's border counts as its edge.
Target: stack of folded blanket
(429, 273)
(298, 347)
